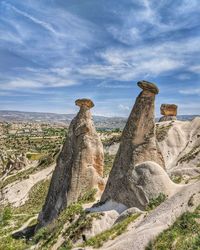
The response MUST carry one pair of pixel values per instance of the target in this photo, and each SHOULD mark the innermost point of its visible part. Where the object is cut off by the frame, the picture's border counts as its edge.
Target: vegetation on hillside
(108, 163)
(12, 218)
(184, 234)
(153, 203)
(110, 234)
(162, 131)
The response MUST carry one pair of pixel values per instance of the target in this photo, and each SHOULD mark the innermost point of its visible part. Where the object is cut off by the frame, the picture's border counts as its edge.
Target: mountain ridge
(48, 117)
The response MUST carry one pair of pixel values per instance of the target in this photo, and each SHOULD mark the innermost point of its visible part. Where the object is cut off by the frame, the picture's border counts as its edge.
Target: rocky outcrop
(140, 234)
(180, 147)
(146, 181)
(14, 162)
(79, 166)
(169, 112)
(138, 144)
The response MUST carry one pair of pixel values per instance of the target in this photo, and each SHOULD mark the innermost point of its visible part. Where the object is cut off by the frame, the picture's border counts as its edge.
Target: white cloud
(39, 78)
(190, 91)
(45, 25)
(195, 69)
(131, 70)
(183, 76)
(124, 107)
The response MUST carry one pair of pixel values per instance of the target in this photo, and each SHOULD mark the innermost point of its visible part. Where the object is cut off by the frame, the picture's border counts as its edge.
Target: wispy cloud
(43, 24)
(88, 49)
(124, 107)
(190, 91)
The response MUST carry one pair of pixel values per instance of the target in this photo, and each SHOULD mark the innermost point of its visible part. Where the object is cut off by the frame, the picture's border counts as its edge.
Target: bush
(5, 216)
(89, 196)
(153, 203)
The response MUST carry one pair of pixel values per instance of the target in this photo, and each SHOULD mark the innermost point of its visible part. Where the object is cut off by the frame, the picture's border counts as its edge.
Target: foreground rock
(139, 235)
(145, 182)
(79, 166)
(169, 112)
(138, 144)
(180, 147)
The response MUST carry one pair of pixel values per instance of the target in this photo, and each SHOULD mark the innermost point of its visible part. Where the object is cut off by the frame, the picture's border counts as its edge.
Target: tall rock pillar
(79, 166)
(138, 144)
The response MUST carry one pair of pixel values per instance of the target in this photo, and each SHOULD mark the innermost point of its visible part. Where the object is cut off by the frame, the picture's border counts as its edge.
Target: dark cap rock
(168, 109)
(84, 102)
(148, 86)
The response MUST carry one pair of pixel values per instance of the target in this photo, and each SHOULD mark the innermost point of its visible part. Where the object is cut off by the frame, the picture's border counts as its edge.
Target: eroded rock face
(160, 219)
(79, 166)
(147, 181)
(169, 112)
(138, 144)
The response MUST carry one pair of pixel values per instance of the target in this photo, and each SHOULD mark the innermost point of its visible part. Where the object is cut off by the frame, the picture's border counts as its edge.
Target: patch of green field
(34, 156)
(184, 234)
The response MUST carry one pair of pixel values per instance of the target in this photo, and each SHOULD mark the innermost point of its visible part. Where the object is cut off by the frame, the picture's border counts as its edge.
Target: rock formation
(169, 112)
(79, 166)
(138, 144)
(180, 147)
(14, 162)
(139, 235)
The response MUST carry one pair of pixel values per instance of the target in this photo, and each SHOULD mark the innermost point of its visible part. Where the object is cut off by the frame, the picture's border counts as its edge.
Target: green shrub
(46, 161)
(177, 178)
(153, 203)
(5, 215)
(88, 196)
(50, 233)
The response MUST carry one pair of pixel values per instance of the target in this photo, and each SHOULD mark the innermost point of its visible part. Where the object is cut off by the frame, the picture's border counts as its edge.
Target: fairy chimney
(79, 166)
(138, 145)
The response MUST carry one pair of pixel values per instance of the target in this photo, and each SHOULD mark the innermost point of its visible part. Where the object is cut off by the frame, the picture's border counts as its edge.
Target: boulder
(169, 112)
(139, 235)
(79, 166)
(138, 144)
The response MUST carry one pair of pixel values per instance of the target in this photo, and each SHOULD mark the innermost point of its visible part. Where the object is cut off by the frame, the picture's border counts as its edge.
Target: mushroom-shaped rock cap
(168, 109)
(148, 86)
(84, 102)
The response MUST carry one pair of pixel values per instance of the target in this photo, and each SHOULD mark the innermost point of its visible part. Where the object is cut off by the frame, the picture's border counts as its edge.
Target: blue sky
(55, 51)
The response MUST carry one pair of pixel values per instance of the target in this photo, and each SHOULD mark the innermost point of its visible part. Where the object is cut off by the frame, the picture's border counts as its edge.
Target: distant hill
(65, 119)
